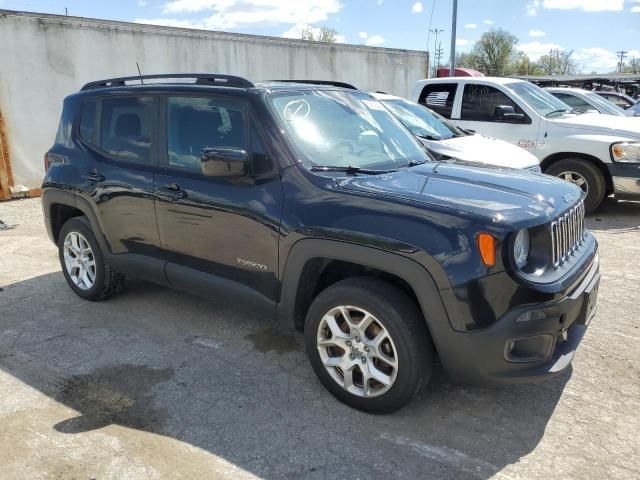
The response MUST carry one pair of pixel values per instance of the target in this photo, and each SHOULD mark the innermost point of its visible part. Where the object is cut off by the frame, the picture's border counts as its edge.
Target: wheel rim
(357, 351)
(575, 178)
(79, 261)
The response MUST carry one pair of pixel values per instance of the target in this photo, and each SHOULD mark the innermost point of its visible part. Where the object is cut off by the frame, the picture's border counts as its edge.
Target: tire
(408, 343)
(594, 183)
(106, 281)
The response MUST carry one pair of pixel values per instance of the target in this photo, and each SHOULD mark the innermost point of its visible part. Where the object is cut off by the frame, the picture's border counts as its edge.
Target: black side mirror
(506, 113)
(224, 162)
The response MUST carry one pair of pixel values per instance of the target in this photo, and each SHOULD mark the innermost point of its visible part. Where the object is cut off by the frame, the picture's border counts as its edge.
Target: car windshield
(540, 100)
(603, 105)
(421, 121)
(345, 129)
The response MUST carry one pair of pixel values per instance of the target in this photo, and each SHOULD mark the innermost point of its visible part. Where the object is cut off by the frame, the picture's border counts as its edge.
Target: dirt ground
(159, 384)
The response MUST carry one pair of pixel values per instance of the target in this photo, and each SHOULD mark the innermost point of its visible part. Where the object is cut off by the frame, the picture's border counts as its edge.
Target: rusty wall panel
(6, 176)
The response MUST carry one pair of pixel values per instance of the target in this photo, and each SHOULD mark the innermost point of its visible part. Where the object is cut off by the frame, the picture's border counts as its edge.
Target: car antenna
(140, 73)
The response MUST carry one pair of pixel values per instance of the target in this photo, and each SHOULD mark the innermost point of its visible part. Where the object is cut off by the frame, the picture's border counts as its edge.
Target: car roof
(487, 80)
(385, 96)
(567, 89)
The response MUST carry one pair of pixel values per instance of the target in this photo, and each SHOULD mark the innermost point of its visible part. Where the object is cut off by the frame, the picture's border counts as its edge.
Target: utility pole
(622, 55)
(436, 32)
(454, 22)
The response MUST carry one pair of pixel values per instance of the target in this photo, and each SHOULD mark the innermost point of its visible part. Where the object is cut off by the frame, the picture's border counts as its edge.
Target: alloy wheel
(79, 261)
(575, 178)
(357, 351)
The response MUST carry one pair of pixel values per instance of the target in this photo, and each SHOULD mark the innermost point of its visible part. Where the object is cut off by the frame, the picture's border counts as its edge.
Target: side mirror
(506, 113)
(224, 162)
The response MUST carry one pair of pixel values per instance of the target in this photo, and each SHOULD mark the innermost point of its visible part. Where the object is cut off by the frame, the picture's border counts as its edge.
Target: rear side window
(439, 97)
(573, 101)
(125, 128)
(88, 121)
(480, 101)
(196, 123)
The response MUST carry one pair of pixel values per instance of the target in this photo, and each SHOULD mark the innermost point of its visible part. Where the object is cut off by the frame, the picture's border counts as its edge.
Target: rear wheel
(368, 344)
(585, 175)
(84, 265)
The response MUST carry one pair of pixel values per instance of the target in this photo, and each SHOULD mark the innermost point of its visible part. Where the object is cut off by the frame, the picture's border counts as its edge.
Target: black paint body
(250, 241)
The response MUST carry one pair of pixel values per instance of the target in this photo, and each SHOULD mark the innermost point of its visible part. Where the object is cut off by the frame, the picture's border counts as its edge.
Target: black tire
(403, 322)
(107, 282)
(596, 186)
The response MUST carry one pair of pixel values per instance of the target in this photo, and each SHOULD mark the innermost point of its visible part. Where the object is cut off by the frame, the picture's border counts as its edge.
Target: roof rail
(200, 79)
(320, 82)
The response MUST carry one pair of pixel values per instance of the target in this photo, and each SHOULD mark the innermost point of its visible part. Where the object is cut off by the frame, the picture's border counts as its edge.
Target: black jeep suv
(312, 204)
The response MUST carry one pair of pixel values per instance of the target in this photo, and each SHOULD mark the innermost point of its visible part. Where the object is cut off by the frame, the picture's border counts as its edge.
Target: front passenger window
(195, 123)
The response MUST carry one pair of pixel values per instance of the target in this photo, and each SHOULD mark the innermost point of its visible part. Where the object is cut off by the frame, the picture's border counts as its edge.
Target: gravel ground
(159, 384)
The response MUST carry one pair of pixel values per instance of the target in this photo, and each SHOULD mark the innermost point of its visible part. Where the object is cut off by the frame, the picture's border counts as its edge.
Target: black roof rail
(320, 82)
(200, 79)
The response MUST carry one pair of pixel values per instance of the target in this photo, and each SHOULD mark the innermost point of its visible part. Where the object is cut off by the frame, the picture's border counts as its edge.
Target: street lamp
(436, 54)
(454, 21)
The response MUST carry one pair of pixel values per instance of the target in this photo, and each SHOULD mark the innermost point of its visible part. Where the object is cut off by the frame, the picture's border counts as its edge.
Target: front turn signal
(487, 247)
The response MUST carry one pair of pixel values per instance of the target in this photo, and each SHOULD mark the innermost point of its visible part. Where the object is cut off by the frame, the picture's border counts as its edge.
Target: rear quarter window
(86, 128)
(439, 97)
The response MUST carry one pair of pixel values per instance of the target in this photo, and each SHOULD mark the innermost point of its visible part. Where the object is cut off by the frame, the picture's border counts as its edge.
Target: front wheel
(585, 175)
(368, 344)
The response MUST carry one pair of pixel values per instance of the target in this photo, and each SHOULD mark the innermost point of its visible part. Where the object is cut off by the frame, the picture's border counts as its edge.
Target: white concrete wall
(44, 58)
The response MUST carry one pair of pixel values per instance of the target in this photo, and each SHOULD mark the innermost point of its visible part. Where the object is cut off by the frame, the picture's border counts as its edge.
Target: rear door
(219, 234)
(119, 135)
(477, 111)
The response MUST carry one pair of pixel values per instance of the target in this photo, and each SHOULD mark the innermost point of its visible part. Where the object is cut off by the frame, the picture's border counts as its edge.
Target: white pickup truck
(599, 153)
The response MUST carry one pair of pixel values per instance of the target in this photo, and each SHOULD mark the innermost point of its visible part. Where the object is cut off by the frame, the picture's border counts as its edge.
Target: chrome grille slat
(567, 234)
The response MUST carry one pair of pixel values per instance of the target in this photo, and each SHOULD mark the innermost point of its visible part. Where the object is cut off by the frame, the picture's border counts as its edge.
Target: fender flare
(417, 277)
(57, 197)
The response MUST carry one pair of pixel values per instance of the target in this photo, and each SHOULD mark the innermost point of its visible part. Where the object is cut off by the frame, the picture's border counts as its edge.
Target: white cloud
(173, 22)
(596, 58)
(635, 9)
(363, 35)
(537, 33)
(379, 2)
(532, 8)
(534, 50)
(375, 40)
(586, 5)
(471, 26)
(417, 7)
(296, 32)
(143, 3)
(488, 22)
(237, 13)
(461, 42)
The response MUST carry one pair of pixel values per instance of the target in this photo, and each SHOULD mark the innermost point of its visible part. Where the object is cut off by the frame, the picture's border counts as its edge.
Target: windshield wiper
(560, 110)
(431, 137)
(348, 170)
(414, 163)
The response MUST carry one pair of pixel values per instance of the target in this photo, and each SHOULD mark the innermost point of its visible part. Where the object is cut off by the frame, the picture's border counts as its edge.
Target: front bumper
(626, 180)
(531, 342)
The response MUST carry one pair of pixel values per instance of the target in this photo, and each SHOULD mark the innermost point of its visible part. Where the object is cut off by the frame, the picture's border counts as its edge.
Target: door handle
(174, 191)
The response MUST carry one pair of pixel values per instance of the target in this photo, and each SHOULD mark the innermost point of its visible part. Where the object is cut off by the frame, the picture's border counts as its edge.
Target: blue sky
(594, 29)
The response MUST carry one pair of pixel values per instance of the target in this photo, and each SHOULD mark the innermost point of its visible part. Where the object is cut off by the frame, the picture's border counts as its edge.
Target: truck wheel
(585, 175)
(368, 344)
(83, 264)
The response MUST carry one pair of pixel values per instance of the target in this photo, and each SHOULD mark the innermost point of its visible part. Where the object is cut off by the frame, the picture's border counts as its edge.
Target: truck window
(573, 101)
(439, 97)
(480, 101)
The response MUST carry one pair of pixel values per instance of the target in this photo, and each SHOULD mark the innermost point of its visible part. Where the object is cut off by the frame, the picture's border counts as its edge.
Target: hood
(605, 124)
(503, 196)
(486, 150)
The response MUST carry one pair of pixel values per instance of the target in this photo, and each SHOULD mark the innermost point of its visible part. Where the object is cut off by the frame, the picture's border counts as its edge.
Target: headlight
(628, 152)
(521, 248)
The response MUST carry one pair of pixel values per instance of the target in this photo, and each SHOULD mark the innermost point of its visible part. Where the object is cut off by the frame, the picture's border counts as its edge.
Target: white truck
(599, 153)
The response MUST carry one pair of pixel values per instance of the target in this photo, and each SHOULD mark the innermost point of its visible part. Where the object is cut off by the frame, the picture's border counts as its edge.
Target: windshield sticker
(373, 105)
(296, 109)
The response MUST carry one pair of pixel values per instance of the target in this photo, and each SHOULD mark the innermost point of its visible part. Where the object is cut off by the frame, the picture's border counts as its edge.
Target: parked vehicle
(448, 142)
(600, 154)
(313, 204)
(585, 101)
(620, 99)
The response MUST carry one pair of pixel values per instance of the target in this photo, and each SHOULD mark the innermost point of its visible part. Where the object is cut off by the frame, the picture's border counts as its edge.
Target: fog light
(530, 349)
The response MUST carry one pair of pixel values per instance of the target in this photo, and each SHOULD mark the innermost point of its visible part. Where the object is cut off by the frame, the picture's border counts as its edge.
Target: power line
(622, 54)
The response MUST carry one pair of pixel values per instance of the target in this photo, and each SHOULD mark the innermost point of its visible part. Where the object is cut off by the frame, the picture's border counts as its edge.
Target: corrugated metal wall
(43, 58)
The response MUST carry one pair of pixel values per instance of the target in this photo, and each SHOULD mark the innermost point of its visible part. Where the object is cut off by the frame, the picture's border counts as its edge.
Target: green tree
(324, 34)
(495, 51)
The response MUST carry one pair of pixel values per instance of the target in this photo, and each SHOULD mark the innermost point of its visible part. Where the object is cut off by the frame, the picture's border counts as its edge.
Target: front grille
(567, 234)
(535, 169)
